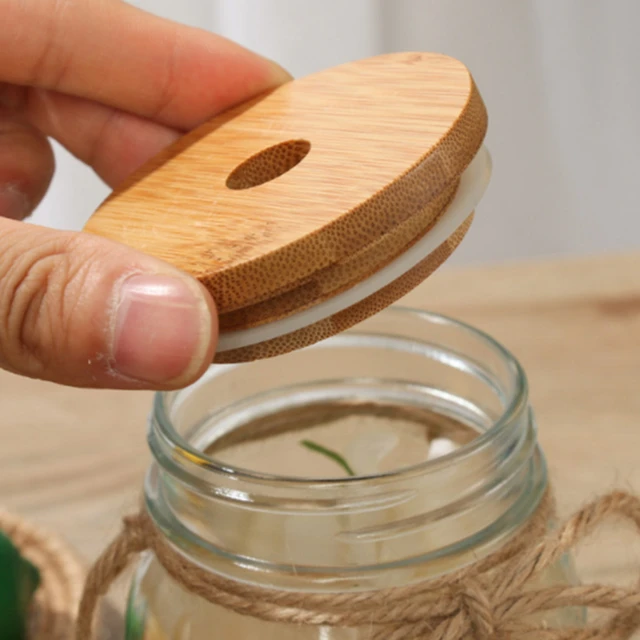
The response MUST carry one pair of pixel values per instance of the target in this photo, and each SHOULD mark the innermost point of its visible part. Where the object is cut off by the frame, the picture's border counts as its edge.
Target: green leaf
(336, 457)
(19, 580)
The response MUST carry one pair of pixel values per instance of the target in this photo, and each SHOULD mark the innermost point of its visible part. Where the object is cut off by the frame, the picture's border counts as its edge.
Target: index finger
(116, 54)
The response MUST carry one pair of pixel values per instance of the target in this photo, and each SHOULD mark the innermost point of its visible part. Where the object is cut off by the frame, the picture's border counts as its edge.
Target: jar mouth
(187, 457)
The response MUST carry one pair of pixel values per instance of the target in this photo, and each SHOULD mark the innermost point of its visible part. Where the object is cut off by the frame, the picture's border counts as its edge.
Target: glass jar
(437, 466)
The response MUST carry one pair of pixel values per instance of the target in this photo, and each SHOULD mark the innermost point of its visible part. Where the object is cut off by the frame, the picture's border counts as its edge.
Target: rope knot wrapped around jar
(477, 608)
(489, 600)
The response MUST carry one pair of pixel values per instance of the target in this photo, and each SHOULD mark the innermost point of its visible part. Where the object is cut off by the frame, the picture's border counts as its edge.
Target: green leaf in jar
(333, 455)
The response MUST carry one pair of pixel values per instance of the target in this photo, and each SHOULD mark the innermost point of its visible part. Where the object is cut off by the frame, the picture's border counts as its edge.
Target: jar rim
(186, 456)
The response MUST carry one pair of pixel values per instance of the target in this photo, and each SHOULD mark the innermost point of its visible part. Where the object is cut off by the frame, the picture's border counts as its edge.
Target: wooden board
(74, 460)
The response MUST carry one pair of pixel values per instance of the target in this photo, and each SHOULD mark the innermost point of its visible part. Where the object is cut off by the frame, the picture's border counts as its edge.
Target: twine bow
(493, 599)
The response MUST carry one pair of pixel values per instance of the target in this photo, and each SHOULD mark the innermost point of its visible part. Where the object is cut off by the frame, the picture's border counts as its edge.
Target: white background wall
(561, 79)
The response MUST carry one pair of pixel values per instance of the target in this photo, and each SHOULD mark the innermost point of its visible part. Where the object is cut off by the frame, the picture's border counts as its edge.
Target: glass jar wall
(395, 452)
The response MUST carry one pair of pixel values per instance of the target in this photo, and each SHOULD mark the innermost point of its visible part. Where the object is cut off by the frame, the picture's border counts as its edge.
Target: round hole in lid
(268, 164)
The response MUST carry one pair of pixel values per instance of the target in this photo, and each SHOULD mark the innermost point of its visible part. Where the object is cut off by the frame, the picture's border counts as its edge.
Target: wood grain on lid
(302, 192)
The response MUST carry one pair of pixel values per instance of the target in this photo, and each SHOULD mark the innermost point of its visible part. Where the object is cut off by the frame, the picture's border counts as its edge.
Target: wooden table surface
(73, 460)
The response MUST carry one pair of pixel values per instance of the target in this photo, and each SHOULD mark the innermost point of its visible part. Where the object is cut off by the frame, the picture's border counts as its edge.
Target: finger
(80, 310)
(113, 142)
(26, 166)
(113, 53)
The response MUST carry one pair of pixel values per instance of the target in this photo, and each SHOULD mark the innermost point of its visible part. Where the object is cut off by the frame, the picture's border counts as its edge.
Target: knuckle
(103, 136)
(169, 88)
(34, 303)
(54, 58)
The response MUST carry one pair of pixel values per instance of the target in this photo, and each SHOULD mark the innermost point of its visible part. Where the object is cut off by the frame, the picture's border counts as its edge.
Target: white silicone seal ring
(473, 184)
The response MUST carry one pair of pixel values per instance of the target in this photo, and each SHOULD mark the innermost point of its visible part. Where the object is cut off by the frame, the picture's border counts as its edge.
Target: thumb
(80, 310)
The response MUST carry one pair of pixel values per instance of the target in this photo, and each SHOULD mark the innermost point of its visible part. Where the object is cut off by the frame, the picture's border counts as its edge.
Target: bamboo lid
(318, 204)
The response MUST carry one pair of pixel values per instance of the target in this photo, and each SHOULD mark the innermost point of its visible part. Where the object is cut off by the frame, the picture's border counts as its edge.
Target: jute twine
(492, 599)
(53, 614)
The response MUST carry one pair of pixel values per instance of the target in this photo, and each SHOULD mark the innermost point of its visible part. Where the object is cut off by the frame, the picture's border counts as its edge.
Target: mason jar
(396, 452)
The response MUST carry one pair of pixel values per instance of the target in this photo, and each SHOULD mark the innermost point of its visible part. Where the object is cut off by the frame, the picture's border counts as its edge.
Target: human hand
(114, 85)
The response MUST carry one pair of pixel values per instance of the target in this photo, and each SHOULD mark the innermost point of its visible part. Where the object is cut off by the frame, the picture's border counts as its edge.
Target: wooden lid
(295, 197)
